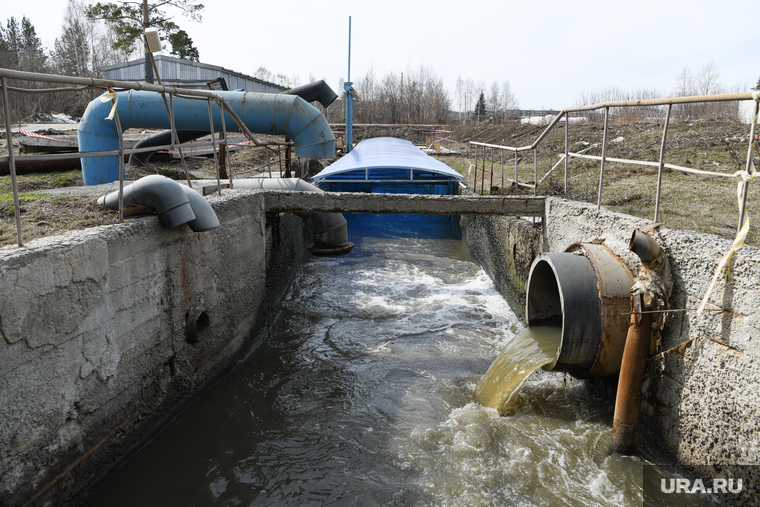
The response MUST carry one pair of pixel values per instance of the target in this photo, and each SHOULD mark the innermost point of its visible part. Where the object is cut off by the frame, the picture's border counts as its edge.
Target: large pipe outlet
(583, 291)
(263, 113)
(330, 229)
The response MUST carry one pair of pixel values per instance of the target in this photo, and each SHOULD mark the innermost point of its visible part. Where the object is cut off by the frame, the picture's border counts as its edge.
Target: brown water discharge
(527, 352)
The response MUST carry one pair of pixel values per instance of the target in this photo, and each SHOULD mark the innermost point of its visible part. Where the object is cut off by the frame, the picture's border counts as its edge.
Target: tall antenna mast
(349, 98)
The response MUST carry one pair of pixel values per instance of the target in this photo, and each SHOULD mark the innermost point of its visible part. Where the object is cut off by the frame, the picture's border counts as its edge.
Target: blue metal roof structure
(387, 160)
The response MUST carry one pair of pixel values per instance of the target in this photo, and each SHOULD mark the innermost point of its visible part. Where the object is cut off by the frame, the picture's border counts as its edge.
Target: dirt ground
(696, 202)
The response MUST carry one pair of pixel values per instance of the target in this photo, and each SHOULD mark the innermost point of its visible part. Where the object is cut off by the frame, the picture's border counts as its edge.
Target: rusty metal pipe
(653, 287)
(629, 384)
(645, 247)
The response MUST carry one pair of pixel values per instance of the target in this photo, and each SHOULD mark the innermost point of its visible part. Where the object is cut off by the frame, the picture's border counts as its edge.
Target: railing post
(175, 139)
(748, 167)
(121, 159)
(535, 171)
(11, 160)
(604, 156)
(516, 186)
(567, 121)
(475, 176)
(662, 165)
(227, 165)
(483, 173)
(490, 190)
(213, 147)
(502, 172)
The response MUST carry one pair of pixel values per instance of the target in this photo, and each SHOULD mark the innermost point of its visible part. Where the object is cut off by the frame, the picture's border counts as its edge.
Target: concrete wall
(700, 396)
(93, 354)
(505, 247)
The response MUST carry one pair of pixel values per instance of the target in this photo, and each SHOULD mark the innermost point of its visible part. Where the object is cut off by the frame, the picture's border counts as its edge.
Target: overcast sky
(550, 51)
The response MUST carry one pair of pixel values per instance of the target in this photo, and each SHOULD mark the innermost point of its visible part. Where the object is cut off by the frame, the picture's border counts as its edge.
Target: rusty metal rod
(11, 160)
(661, 165)
(604, 156)
(93, 154)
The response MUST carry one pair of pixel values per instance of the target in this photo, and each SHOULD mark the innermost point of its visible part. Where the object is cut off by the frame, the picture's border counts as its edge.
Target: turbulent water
(523, 355)
(364, 394)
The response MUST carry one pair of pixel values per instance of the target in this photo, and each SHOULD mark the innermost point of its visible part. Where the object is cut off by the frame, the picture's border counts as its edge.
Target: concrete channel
(108, 332)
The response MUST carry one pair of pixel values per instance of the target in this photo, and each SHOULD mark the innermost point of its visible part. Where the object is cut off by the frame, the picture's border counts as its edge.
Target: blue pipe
(262, 113)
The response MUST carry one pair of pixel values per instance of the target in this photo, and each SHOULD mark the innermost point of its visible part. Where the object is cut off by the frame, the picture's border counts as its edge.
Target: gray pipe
(174, 203)
(162, 138)
(317, 91)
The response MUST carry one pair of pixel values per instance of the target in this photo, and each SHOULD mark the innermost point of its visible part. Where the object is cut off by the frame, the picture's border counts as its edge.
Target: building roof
(189, 74)
(383, 158)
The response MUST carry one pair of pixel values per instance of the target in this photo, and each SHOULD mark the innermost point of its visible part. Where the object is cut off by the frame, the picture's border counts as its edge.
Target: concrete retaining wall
(93, 353)
(700, 395)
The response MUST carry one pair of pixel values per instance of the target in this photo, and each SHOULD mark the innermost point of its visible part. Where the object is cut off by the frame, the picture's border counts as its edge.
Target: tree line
(92, 37)
(706, 81)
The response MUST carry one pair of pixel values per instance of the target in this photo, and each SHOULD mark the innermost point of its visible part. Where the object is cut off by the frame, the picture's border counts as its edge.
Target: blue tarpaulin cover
(384, 158)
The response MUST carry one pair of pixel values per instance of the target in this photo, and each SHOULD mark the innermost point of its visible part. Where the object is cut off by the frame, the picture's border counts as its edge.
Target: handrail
(691, 99)
(670, 101)
(84, 83)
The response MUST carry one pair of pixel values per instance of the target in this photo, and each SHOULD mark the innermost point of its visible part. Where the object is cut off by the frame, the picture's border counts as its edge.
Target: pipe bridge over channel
(421, 204)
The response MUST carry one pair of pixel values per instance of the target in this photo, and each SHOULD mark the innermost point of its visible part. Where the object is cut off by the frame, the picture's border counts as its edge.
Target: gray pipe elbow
(159, 193)
(205, 218)
(330, 230)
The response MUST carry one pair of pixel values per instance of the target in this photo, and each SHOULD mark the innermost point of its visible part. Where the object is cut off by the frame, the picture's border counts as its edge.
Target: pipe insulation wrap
(262, 113)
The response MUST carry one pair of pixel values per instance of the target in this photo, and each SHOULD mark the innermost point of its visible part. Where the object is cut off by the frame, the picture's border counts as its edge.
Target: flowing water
(523, 355)
(364, 394)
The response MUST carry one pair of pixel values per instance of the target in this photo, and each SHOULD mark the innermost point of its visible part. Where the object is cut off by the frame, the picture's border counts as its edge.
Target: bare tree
(493, 101)
(708, 80)
(508, 102)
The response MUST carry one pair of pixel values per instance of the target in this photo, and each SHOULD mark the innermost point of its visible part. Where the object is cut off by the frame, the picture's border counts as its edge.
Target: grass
(706, 204)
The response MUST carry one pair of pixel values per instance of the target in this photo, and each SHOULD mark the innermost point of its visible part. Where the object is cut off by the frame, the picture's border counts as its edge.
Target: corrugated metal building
(187, 74)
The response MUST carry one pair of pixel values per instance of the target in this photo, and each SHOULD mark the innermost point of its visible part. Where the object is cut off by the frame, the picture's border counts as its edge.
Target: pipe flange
(330, 252)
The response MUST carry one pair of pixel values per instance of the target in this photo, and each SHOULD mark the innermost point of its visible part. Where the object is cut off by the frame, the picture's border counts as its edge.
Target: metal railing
(567, 155)
(81, 84)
